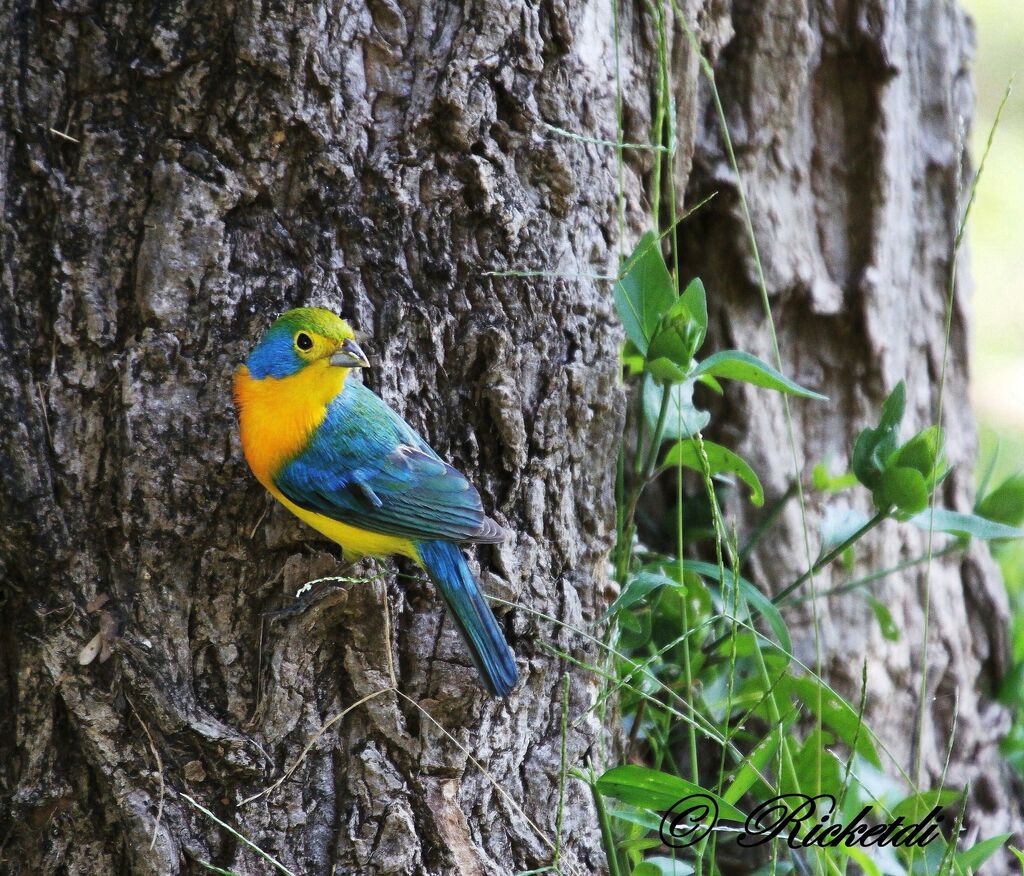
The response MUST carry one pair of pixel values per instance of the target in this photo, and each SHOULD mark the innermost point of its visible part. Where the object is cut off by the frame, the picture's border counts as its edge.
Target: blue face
(274, 355)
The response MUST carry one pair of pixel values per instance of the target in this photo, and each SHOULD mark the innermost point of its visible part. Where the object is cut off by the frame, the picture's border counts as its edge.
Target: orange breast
(276, 416)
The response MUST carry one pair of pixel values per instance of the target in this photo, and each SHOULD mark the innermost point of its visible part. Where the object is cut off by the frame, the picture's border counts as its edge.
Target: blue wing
(365, 467)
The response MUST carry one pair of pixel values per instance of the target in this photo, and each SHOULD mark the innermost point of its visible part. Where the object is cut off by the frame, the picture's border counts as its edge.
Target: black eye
(303, 341)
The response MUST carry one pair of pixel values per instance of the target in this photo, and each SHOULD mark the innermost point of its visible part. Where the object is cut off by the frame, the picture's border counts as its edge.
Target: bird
(342, 461)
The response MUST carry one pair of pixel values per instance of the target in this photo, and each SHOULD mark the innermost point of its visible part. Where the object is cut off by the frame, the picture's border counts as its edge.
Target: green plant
(702, 658)
(700, 664)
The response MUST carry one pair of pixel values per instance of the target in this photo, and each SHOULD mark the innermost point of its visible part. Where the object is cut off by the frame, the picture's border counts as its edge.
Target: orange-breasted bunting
(341, 460)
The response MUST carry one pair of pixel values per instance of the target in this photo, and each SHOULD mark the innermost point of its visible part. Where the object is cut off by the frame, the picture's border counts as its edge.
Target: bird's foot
(312, 592)
(306, 598)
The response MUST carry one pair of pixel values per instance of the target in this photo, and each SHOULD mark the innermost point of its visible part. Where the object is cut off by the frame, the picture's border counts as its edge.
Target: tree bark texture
(850, 123)
(229, 161)
(173, 176)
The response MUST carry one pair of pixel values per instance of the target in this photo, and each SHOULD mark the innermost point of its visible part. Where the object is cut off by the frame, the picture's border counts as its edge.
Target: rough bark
(850, 125)
(229, 161)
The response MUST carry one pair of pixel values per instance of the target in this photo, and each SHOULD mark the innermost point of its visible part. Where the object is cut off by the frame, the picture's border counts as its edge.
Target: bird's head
(301, 337)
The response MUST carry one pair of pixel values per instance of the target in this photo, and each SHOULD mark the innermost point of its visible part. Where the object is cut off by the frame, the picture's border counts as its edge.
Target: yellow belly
(354, 541)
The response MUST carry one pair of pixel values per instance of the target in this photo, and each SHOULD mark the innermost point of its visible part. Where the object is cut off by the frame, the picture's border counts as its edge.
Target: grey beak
(348, 355)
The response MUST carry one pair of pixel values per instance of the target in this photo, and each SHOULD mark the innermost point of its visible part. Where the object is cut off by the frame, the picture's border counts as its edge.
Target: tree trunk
(173, 177)
(850, 124)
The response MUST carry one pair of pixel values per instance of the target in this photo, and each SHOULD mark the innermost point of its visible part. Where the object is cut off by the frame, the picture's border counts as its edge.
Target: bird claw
(306, 597)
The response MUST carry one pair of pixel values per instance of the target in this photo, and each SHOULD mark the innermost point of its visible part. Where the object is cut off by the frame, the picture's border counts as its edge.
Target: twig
(46, 419)
(387, 637)
(239, 836)
(64, 136)
(551, 275)
(263, 516)
(596, 141)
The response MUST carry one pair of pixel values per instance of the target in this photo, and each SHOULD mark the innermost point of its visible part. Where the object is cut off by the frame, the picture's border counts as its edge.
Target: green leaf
(683, 418)
(665, 370)
(1019, 855)
(633, 815)
(698, 596)
(662, 866)
(679, 334)
(673, 603)
(682, 329)
(631, 358)
(958, 523)
(737, 365)
(861, 858)
(836, 714)
(917, 806)
(874, 446)
(812, 770)
(638, 587)
(923, 452)
(885, 622)
(1005, 504)
(753, 763)
(822, 479)
(711, 383)
(635, 628)
(1011, 685)
(862, 463)
(760, 603)
(651, 789)
(721, 460)
(697, 305)
(977, 854)
(893, 408)
(634, 846)
(644, 293)
(904, 489)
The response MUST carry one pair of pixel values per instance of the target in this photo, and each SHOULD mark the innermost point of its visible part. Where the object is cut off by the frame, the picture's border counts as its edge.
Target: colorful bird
(341, 460)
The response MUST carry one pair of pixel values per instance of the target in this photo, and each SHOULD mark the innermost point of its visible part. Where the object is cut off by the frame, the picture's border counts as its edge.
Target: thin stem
(947, 328)
(687, 664)
(731, 674)
(597, 141)
(246, 842)
(634, 730)
(620, 507)
(645, 471)
(815, 567)
(559, 815)
(709, 73)
(659, 114)
(659, 433)
(831, 556)
(881, 573)
(607, 838)
(641, 428)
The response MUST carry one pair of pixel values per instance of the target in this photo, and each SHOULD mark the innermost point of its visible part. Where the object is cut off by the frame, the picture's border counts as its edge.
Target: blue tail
(447, 568)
